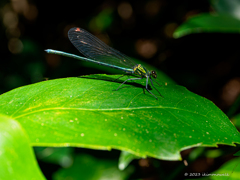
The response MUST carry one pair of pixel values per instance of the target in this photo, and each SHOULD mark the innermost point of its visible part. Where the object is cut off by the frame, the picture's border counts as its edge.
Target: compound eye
(154, 74)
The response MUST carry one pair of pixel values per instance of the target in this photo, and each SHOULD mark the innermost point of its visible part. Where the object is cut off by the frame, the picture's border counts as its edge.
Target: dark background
(204, 63)
(207, 64)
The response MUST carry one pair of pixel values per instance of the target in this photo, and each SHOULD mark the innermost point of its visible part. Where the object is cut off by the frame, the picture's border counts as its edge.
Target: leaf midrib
(110, 109)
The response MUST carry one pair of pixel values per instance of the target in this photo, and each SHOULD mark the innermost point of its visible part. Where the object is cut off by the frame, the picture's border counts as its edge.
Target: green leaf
(237, 153)
(57, 155)
(236, 120)
(89, 168)
(208, 23)
(86, 112)
(16, 156)
(234, 107)
(229, 170)
(214, 153)
(125, 158)
(102, 21)
(227, 7)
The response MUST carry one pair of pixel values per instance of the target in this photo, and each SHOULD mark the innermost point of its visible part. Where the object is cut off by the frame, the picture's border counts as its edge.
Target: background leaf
(86, 112)
(236, 120)
(57, 155)
(229, 170)
(237, 153)
(89, 168)
(17, 157)
(125, 158)
(227, 7)
(208, 23)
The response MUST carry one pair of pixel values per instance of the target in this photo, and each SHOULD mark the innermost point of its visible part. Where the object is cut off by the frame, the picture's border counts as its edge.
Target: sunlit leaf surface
(86, 112)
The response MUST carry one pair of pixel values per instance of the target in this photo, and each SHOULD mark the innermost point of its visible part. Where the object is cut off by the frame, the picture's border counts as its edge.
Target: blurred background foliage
(205, 63)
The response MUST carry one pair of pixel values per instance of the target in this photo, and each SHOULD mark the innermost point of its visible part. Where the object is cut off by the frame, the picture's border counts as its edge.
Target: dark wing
(93, 48)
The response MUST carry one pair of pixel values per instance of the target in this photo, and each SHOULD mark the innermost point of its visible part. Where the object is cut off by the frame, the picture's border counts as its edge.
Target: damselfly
(98, 52)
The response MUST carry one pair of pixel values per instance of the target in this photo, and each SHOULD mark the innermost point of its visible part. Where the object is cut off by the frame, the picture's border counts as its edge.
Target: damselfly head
(153, 74)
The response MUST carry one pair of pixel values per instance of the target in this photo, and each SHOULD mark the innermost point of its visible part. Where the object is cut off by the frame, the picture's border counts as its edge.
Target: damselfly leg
(120, 77)
(139, 79)
(126, 81)
(156, 88)
(148, 89)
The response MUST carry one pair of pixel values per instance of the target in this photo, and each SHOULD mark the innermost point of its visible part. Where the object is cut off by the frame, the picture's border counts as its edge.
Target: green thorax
(140, 70)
